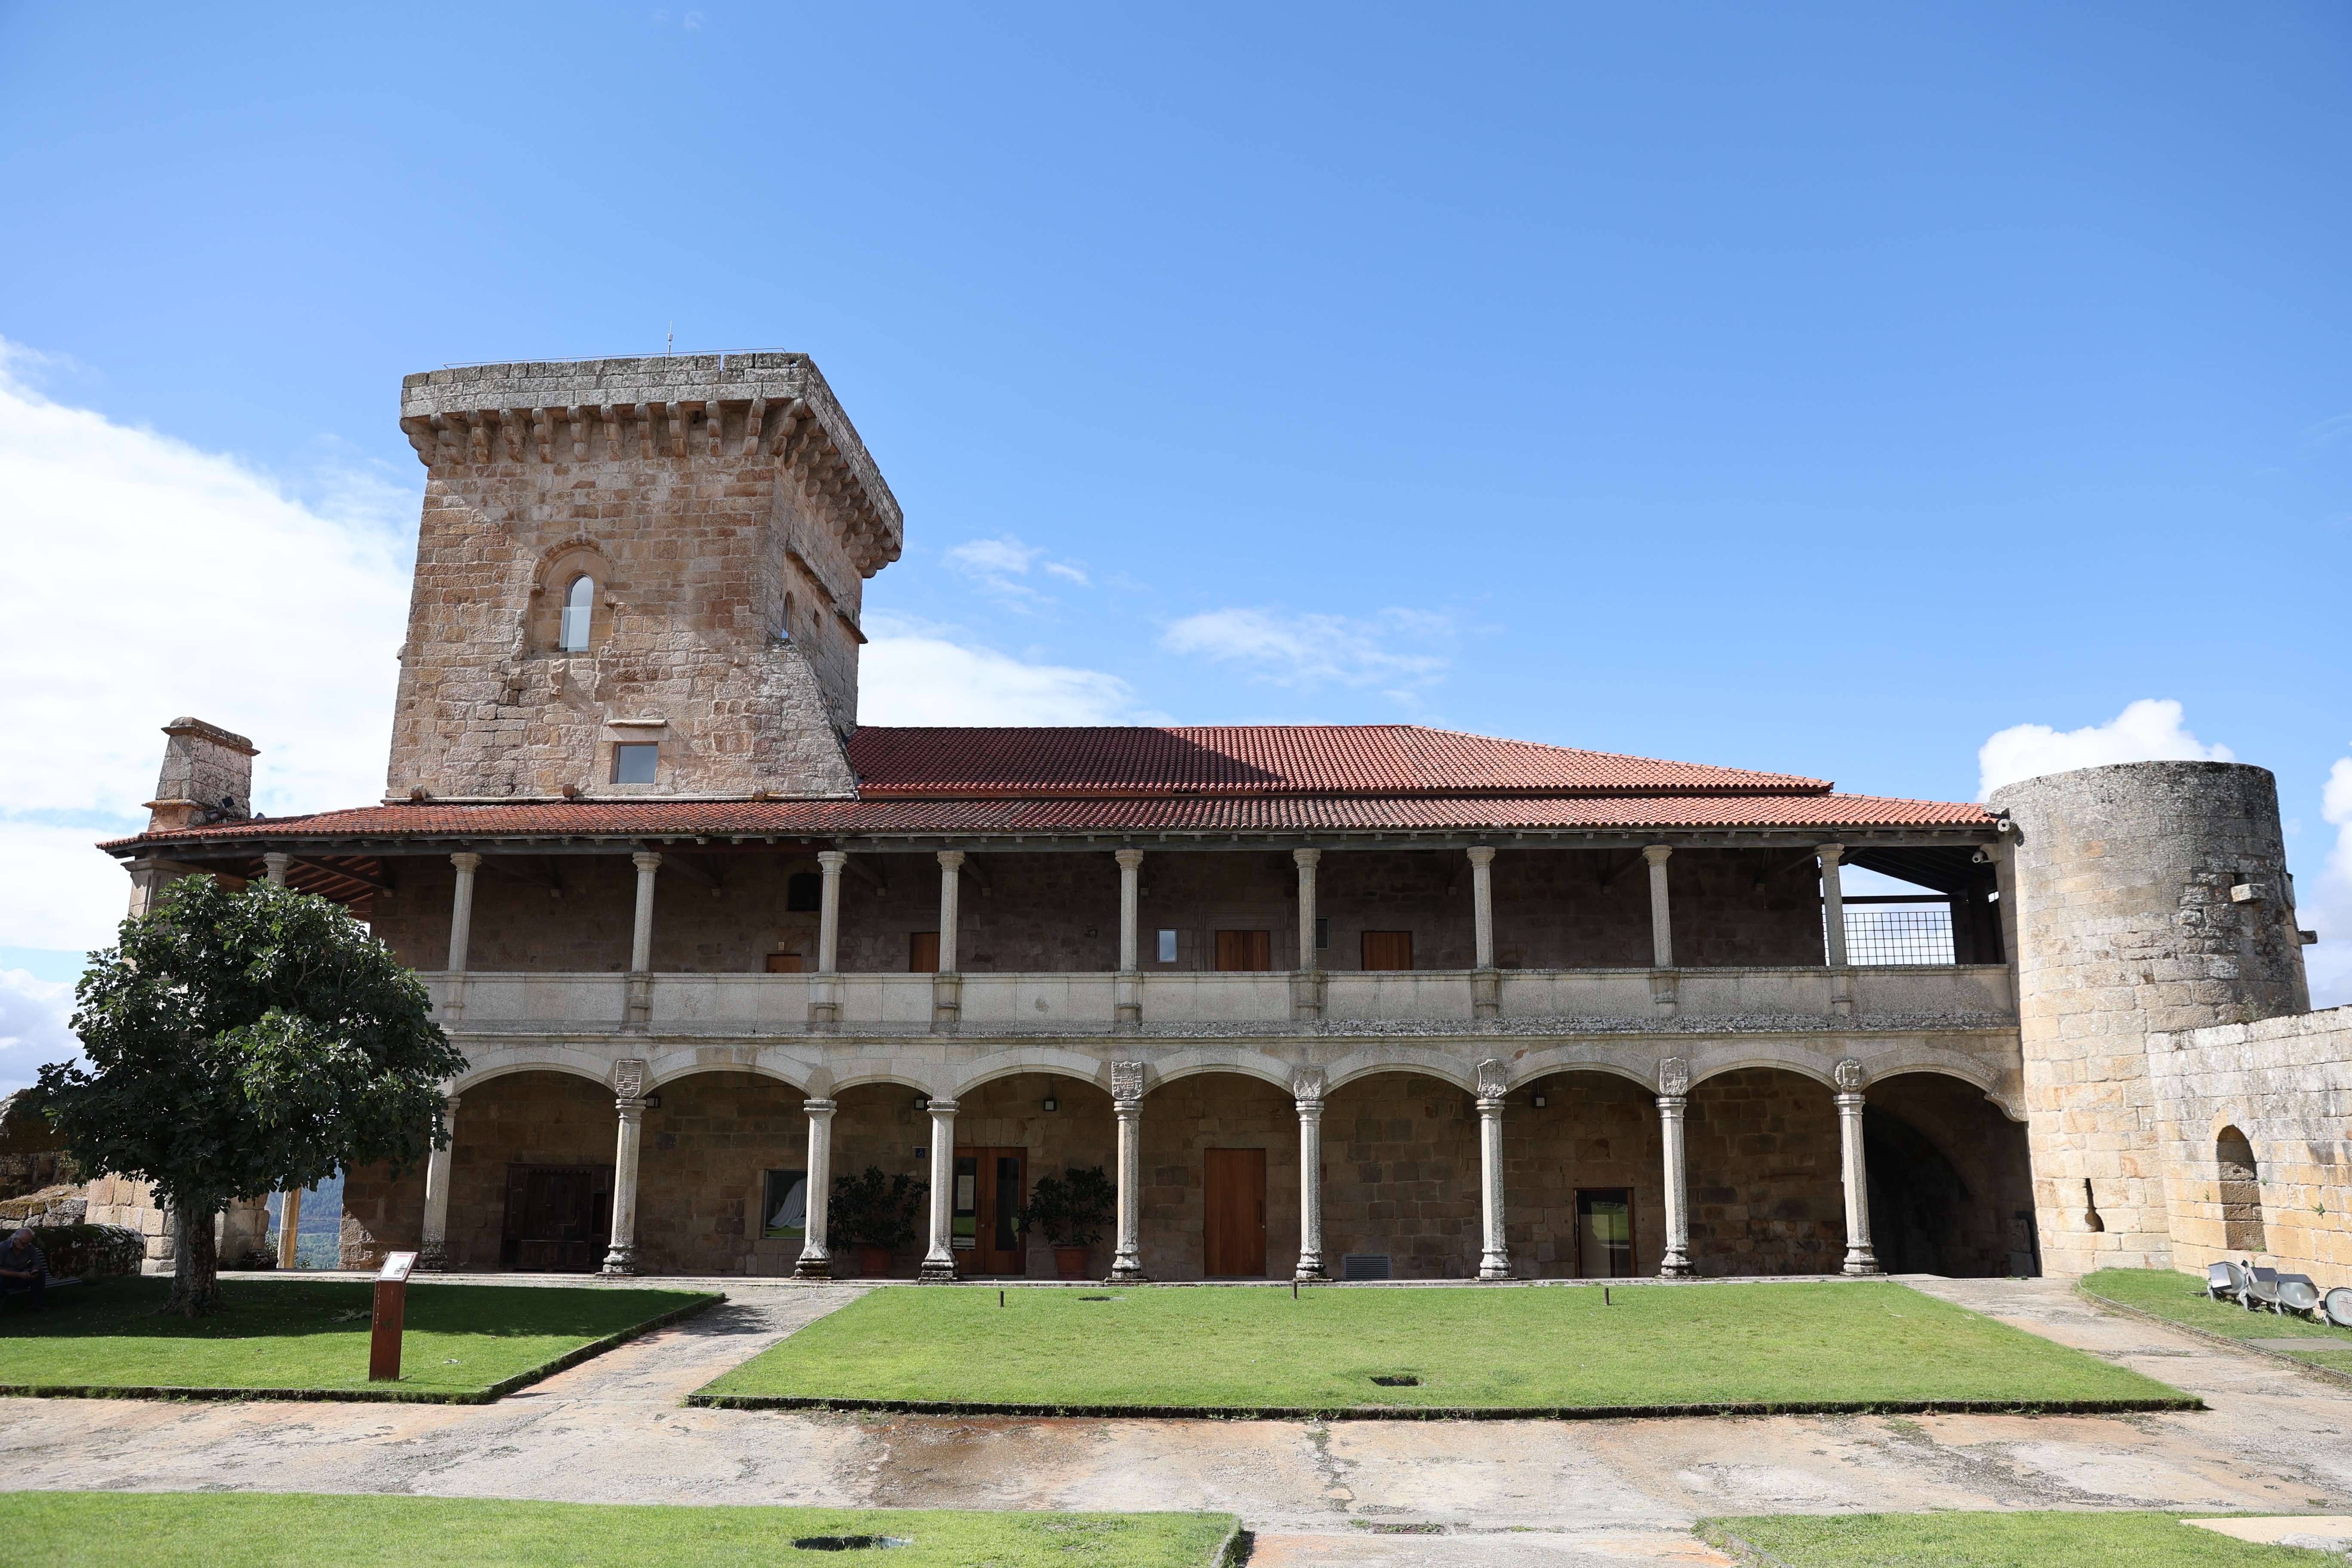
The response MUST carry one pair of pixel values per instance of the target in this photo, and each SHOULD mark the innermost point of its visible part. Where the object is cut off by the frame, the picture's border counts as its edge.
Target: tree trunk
(195, 1264)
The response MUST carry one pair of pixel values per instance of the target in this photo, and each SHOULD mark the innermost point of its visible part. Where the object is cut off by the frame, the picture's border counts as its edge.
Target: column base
(1494, 1266)
(621, 1260)
(432, 1258)
(1310, 1267)
(1860, 1261)
(938, 1272)
(1671, 1267)
(1127, 1273)
(819, 1267)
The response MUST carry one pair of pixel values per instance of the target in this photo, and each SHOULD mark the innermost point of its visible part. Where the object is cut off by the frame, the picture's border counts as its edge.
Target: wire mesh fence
(1898, 934)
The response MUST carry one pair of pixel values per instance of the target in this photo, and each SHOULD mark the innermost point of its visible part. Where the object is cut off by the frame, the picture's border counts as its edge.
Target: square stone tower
(635, 577)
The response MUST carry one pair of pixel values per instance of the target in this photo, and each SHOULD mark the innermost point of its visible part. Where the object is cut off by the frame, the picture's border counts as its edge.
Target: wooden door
(1604, 1232)
(783, 963)
(1236, 1242)
(991, 1185)
(923, 952)
(558, 1218)
(1388, 950)
(1246, 950)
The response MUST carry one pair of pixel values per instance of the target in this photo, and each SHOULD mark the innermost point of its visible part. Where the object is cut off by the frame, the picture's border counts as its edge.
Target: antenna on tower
(669, 340)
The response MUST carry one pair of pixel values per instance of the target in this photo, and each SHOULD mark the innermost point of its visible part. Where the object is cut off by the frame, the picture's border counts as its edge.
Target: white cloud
(34, 1032)
(911, 673)
(2326, 906)
(1390, 650)
(148, 579)
(2148, 730)
(996, 564)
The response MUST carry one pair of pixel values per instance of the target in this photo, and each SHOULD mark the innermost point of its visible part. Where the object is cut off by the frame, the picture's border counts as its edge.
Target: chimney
(208, 777)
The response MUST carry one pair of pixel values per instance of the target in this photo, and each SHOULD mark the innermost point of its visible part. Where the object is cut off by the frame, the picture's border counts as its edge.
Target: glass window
(1604, 1232)
(1167, 947)
(786, 1205)
(578, 605)
(634, 763)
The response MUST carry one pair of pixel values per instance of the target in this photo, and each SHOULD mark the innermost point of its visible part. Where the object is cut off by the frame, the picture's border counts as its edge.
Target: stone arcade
(1328, 1002)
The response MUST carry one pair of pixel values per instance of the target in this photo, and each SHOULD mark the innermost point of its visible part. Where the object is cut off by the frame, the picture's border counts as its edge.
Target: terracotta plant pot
(1070, 1262)
(873, 1262)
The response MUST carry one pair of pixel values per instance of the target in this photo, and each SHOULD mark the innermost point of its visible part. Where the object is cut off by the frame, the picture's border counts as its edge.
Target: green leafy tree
(242, 1043)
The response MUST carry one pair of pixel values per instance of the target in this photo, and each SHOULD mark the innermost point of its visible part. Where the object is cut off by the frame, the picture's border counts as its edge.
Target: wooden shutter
(1388, 950)
(1246, 950)
(783, 963)
(923, 952)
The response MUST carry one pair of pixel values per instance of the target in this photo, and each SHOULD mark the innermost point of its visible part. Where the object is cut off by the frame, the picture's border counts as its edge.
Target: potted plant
(1071, 1209)
(875, 1214)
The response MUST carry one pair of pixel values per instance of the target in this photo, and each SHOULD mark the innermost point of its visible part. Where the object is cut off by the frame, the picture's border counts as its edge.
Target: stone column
(947, 985)
(276, 865)
(939, 1263)
(641, 940)
(1494, 1256)
(1833, 905)
(1674, 1099)
(461, 910)
(816, 1257)
(1482, 902)
(629, 1085)
(1306, 981)
(828, 920)
(1662, 924)
(1306, 1093)
(147, 879)
(1859, 1257)
(434, 1253)
(289, 1221)
(1486, 983)
(825, 994)
(1127, 1105)
(1128, 1010)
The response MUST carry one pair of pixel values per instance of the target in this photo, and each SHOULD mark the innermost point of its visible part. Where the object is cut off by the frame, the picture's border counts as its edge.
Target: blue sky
(1821, 388)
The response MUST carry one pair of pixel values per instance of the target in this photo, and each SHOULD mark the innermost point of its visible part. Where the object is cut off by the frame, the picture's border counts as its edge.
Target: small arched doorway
(2242, 1192)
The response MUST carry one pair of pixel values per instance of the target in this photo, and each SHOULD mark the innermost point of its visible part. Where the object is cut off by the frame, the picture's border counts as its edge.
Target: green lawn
(1807, 1346)
(460, 1340)
(260, 1530)
(2180, 1299)
(1998, 1540)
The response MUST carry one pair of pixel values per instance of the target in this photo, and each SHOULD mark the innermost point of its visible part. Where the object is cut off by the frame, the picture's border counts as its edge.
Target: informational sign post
(391, 1307)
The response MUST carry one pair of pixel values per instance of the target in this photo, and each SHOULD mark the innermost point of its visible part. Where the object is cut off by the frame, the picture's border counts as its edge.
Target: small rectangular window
(784, 1205)
(1167, 947)
(633, 762)
(1322, 933)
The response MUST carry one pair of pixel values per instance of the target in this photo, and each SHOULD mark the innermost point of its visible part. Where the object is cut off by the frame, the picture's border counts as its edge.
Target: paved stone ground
(1505, 1494)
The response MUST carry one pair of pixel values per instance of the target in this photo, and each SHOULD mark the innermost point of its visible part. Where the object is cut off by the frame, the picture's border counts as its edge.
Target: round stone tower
(2149, 896)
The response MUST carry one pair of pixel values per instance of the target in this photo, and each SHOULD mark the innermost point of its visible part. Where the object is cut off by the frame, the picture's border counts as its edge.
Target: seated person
(24, 1267)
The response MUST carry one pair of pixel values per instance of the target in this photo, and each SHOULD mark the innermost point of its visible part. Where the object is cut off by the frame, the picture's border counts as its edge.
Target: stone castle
(1351, 1002)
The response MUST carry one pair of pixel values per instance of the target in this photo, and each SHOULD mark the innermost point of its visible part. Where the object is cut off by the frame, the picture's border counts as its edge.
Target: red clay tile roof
(1272, 779)
(1388, 760)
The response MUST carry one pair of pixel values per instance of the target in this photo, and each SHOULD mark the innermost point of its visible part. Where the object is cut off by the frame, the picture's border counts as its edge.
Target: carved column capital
(1655, 854)
(1481, 855)
(629, 1078)
(832, 860)
(647, 860)
(466, 861)
(1127, 1082)
(1830, 854)
(950, 859)
(1129, 860)
(1850, 1075)
(1307, 1087)
(1674, 1075)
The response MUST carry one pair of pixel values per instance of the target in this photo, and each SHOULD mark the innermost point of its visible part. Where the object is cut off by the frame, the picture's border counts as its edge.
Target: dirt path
(1502, 1493)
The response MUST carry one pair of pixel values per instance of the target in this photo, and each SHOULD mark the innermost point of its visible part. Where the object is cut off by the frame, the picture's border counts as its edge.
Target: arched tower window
(579, 605)
(2242, 1192)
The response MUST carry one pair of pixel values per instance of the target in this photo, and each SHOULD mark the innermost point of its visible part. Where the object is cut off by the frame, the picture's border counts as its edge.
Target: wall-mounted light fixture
(923, 1102)
(1541, 1102)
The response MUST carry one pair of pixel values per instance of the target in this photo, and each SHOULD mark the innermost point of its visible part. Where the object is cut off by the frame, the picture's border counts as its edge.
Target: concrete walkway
(1500, 1493)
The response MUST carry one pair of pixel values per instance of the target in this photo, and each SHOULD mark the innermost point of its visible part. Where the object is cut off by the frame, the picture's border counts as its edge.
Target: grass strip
(265, 1530)
(1510, 1353)
(1986, 1540)
(2179, 1301)
(462, 1344)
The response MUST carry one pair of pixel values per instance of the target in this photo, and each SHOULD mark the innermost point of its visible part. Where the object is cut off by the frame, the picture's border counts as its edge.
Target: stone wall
(1951, 1188)
(241, 1229)
(2151, 896)
(1059, 912)
(2286, 1084)
(727, 516)
(1767, 1195)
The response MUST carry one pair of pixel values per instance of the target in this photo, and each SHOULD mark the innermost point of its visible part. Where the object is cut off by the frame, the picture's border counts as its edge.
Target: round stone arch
(524, 1121)
(1706, 1067)
(1445, 1065)
(670, 1069)
(552, 579)
(578, 1063)
(1576, 1056)
(1950, 1178)
(1192, 1064)
(1054, 1060)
